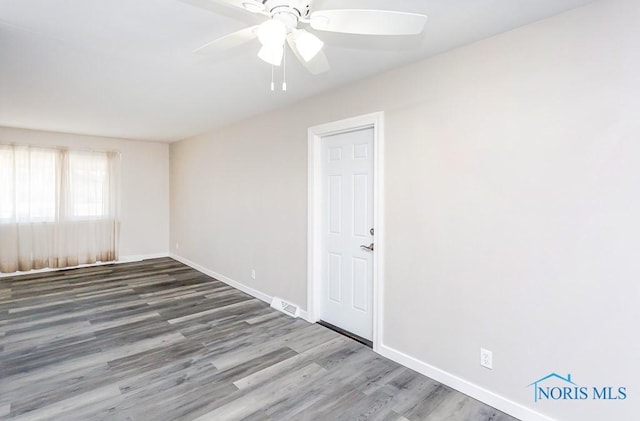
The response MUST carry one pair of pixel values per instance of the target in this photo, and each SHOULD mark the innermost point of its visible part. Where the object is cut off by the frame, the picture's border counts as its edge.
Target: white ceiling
(124, 68)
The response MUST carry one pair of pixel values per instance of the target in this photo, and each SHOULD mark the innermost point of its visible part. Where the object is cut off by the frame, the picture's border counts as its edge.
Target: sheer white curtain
(58, 207)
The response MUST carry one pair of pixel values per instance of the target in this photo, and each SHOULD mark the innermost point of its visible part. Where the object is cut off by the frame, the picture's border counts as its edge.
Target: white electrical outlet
(253, 274)
(486, 358)
(177, 246)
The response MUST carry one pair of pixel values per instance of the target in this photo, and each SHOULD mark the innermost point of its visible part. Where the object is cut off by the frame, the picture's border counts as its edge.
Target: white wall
(512, 205)
(238, 202)
(145, 184)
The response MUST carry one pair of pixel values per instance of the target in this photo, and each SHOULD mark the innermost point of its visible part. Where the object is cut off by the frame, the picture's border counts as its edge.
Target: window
(58, 207)
(28, 180)
(45, 185)
(88, 185)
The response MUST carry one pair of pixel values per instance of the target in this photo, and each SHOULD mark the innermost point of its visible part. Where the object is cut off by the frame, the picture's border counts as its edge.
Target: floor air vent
(285, 307)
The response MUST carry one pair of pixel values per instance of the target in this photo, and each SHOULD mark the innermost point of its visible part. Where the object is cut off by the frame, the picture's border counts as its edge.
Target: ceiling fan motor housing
(298, 8)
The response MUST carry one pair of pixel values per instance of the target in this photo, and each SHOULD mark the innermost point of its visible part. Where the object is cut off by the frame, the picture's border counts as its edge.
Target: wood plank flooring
(157, 340)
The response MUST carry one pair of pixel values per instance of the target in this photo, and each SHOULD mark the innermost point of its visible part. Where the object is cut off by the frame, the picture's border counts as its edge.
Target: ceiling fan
(285, 21)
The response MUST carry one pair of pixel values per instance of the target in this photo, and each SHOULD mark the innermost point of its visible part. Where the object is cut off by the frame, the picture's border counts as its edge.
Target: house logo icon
(539, 392)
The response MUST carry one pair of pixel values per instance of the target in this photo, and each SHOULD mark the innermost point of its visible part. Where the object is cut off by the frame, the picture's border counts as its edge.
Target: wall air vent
(285, 307)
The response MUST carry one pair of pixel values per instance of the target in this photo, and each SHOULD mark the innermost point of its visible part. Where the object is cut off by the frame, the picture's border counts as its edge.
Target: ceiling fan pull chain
(273, 85)
(284, 69)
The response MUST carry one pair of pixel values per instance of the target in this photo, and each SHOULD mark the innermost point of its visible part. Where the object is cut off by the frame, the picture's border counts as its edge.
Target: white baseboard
(304, 315)
(483, 395)
(238, 285)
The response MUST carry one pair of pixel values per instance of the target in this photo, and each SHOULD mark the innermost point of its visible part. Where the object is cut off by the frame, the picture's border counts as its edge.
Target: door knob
(369, 247)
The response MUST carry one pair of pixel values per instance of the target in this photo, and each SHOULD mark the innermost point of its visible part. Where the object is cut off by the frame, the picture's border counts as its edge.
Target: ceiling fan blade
(253, 6)
(317, 65)
(368, 22)
(227, 42)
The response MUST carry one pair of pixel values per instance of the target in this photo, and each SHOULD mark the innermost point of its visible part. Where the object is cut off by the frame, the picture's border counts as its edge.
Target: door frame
(314, 235)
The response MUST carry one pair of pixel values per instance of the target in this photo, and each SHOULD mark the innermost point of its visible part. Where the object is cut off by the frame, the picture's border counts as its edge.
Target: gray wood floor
(157, 340)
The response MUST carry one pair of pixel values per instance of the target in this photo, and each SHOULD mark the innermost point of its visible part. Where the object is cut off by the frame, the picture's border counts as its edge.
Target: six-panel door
(347, 282)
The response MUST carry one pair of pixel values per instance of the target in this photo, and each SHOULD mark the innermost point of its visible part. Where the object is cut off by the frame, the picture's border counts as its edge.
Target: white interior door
(347, 226)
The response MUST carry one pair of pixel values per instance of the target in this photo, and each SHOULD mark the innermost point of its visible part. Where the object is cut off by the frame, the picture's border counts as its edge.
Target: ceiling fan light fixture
(272, 33)
(308, 45)
(272, 54)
